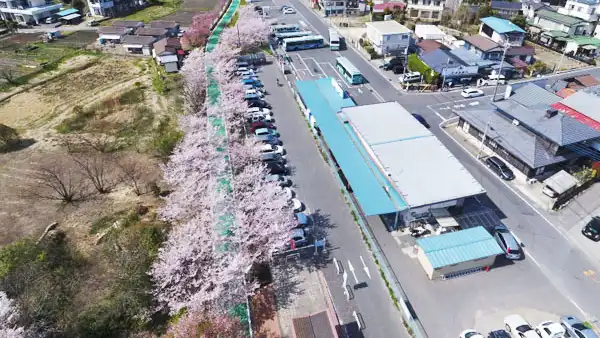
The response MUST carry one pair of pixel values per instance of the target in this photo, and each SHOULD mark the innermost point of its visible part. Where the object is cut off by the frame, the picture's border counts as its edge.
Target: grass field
(150, 13)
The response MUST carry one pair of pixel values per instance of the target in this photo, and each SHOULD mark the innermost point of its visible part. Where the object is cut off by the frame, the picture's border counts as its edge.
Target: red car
(261, 124)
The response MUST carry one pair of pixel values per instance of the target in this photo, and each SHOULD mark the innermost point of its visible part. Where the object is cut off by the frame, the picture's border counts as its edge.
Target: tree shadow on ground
(18, 145)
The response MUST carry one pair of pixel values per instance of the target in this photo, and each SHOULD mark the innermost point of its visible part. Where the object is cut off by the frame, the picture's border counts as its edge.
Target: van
(410, 77)
(492, 80)
(500, 168)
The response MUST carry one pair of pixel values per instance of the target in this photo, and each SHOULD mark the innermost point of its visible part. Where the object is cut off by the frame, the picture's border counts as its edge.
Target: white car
(470, 333)
(549, 329)
(269, 148)
(289, 193)
(259, 117)
(471, 92)
(289, 10)
(519, 327)
(255, 92)
(296, 205)
(256, 110)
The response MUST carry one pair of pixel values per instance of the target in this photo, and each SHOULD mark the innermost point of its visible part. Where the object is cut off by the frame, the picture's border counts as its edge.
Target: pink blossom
(206, 324)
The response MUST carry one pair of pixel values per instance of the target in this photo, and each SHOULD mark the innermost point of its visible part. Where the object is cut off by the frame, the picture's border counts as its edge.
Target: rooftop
(584, 103)
(470, 58)
(587, 80)
(67, 12)
(368, 184)
(495, 4)
(561, 182)
(422, 30)
(482, 43)
(459, 246)
(427, 46)
(127, 23)
(501, 25)
(521, 50)
(585, 40)
(529, 105)
(439, 59)
(137, 40)
(163, 24)
(388, 27)
(112, 30)
(148, 31)
(557, 17)
(520, 142)
(409, 154)
(171, 44)
(390, 5)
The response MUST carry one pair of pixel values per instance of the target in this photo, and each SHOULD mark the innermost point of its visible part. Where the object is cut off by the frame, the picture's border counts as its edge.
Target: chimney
(551, 112)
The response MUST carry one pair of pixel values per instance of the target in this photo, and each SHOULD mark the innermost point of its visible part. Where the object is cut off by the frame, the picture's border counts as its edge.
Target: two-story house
(530, 7)
(28, 11)
(113, 8)
(483, 47)
(502, 31)
(548, 20)
(506, 9)
(587, 10)
(389, 37)
(426, 10)
(337, 7)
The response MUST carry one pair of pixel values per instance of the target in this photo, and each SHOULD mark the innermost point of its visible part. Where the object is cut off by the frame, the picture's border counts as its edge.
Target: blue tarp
(67, 12)
(367, 182)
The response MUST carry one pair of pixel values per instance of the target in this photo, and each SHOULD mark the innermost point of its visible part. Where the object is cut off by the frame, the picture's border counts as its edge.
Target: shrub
(76, 122)
(132, 96)
(415, 64)
(9, 138)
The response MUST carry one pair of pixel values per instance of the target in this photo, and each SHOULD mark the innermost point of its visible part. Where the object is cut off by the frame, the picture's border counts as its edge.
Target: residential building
(426, 46)
(380, 8)
(582, 106)
(113, 8)
(172, 27)
(112, 34)
(527, 132)
(389, 37)
(587, 10)
(507, 9)
(530, 7)
(149, 31)
(523, 53)
(132, 24)
(451, 69)
(451, 254)
(502, 31)
(168, 53)
(483, 47)
(337, 7)
(583, 46)
(69, 16)
(429, 32)
(138, 44)
(427, 10)
(548, 20)
(28, 11)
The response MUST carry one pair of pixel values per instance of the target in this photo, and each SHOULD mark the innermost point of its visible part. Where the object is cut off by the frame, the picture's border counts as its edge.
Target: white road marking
(318, 65)
(305, 65)
(302, 23)
(438, 114)
(532, 207)
(375, 93)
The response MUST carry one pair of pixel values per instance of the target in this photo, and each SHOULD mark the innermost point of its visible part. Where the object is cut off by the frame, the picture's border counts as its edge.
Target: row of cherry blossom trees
(9, 315)
(198, 269)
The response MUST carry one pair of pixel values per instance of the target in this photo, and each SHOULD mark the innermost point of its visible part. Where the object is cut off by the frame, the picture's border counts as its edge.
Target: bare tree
(132, 173)
(58, 179)
(80, 143)
(98, 168)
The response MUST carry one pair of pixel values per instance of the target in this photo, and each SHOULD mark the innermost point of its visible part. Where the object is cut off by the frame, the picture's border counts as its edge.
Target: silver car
(507, 242)
(576, 328)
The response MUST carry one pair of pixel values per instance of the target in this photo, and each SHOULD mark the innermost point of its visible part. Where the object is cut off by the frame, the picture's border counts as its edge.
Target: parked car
(254, 82)
(298, 236)
(268, 148)
(549, 329)
(592, 229)
(470, 333)
(492, 80)
(289, 193)
(500, 168)
(398, 69)
(410, 77)
(422, 120)
(471, 92)
(258, 8)
(51, 19)
(507, 242)
(259, 117)
(576, 328)
(252, 96)
(258, 103)
(284, 7)
(93, 23)
(277, 168)
(266, 131)
(255, 92)
(272, 157)
(499, 334)
(519, 327)
(393, 63)
(303, 219)
(261, 124)
(283, 181)
(289, 10)
(297, 206)
(258, 110)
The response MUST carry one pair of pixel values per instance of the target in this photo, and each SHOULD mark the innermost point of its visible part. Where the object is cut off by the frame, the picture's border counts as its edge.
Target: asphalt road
(547, 247)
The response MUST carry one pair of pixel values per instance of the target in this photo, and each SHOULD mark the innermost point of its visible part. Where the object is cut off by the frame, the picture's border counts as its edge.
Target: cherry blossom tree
(194, 81)
(206, 324)
(251, 30)
(9, 315)
(199, 30)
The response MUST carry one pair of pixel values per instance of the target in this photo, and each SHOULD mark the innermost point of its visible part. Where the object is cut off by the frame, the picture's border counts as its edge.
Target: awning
(561, 182)
(71, 17)
(589, 47)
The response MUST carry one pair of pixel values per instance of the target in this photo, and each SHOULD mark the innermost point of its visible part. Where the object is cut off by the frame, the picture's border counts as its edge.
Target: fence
(564, 199)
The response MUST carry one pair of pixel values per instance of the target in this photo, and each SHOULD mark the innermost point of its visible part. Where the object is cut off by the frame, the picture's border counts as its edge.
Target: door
(466, 126)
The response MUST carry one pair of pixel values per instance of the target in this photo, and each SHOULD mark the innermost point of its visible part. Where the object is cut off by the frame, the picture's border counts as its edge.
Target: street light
(500, 71)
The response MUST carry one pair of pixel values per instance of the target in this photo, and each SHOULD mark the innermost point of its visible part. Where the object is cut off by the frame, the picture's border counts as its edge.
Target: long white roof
(422, 169)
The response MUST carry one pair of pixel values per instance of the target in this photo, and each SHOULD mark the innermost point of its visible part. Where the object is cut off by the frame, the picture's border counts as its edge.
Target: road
(547, 246)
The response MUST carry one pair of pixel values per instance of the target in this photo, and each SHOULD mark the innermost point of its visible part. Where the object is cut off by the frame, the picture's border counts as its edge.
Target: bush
(9, 138)
(132, 96)
(415, 64)
(76, 122)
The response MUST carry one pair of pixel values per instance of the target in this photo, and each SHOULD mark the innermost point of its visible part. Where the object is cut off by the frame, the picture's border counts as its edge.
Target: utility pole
(238, 34)
(487, 127)
(500, 72)
(561, 60)
(444, 73)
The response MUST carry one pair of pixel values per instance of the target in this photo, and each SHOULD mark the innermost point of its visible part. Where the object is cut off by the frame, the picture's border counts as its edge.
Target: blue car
(253, 82)
(251, 97)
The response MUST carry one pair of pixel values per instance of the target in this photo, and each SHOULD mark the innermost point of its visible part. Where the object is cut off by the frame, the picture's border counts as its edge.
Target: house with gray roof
(548, 20)
(135, 44)
(527, 132)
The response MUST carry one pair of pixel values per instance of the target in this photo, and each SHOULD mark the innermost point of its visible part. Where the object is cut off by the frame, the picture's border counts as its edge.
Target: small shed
(561, 182)
(111, 34)
(69, 16)
(456, 253)
(138, 44)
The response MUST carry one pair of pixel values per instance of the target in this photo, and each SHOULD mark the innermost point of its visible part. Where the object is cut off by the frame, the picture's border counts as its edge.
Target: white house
(28, 12)
(112, 8)
(583, 9)
(427, 10)
(429, 32)
(502, 31)
(388, 37)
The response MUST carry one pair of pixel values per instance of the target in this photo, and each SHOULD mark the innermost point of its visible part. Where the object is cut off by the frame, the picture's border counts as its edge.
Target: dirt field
(189, 8)
(44, 115)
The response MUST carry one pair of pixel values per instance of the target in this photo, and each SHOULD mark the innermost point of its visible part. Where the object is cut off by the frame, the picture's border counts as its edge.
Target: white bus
(334, 39)
(303, 42)
(281, 36)
(284, 28)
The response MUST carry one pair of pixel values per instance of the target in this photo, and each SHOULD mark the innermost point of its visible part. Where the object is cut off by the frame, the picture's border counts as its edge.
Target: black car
(252, 103)
(500, 168)
(394, 63)
(499, 334)
(421, 120)
(276, 168)
(592, 229)
(399, 69)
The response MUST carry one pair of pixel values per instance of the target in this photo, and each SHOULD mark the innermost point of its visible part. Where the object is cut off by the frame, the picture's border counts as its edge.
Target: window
(480, 135)
(493, 144)
(593, 10)
(572, 7)
(339, 3)
(579, 9)
(415, 2)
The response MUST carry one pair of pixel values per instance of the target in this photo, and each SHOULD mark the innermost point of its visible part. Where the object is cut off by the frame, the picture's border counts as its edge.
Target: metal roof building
(501, 25)
(458, 252)
(416, 163)
(323, 99)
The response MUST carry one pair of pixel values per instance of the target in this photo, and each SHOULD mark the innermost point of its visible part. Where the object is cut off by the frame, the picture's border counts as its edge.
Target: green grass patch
(167, 137)
(125, 218)
(132, 96)
(153, 12)
(234, 20)
(77, 122)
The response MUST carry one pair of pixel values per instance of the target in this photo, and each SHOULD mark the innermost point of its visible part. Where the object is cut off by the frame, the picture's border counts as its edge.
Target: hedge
(415, 64)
